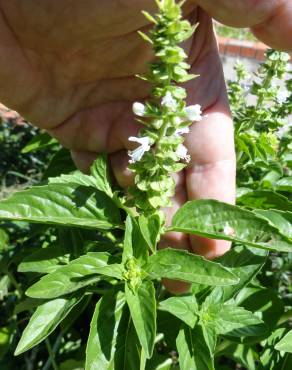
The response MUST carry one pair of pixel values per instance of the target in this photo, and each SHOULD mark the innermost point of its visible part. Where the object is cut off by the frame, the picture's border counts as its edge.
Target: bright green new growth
(165, 116)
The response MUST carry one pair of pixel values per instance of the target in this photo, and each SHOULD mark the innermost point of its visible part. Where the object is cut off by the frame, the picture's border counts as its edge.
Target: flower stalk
(165, 116)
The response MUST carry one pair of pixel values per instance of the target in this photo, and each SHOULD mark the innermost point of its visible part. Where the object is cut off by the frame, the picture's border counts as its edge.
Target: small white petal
(138, 153)
(182, 131)
(168, 101)
(182, 153)
(139, 109)
(282, 96)
(194, 112)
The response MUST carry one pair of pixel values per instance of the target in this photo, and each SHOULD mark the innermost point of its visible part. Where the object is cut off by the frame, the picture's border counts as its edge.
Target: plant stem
(51, 355)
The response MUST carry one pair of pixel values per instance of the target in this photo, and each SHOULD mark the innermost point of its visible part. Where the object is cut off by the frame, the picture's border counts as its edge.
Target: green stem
(51, 354)
(15, 284)
(142, 360)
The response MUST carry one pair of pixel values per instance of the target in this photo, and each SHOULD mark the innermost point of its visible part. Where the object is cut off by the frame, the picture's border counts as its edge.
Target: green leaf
(213, 219)
(150, 228)
(134, 242)
(285, 343)
(184, 308)
(77, 274)
(66, 204)
(60, 163)
(100, 172)
(102, 340)
(279, 219)
(142, 305)
(38, 142)
(4, 239)
(265, 199)
(272, 358)
(181, 265)
(128, 349)
(193, 346)
(6, 337)
(244, 263)
(44, 321)
(285, 184)
(44, 260)
(242, 354)
(232, 320)
(264, 301)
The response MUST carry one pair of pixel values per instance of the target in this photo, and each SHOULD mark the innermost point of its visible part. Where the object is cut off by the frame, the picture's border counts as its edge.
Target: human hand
(70, 69)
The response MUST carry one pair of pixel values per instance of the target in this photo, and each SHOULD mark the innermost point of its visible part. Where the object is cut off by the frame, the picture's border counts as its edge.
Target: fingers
(211, 173)
(271, 21)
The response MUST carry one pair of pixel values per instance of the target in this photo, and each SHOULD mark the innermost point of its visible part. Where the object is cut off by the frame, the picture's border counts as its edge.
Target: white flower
(169, 102)
(182, 131)
(139, 109)
(282, 96)
(229, 231)
(194, 112)
(284, 130)
(138, 153)
(182, 152)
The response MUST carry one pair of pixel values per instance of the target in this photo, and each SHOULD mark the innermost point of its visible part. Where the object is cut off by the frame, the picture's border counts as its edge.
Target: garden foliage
(80, 270)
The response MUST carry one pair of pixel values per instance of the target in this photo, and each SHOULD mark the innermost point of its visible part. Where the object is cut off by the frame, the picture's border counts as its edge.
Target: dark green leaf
(44, 321)
(184, 308)
(150, 228)
(45, 260)
(194, 351)
(216, 220)
(181, 265)
(142, 305)
(77, 274)
(265, 199)
(101, 345)
(134, 242)
(38, 142)
(66, 204)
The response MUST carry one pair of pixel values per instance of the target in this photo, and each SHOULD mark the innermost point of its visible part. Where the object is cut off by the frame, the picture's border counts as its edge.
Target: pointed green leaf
(100, 172)
(279, 219)
(102, 340)
(217, 220)
(38, 142)
(184, 308)
(194, 351)
(233, 321)
(68, 204)
(45, 260)
(244, 263)
(77, 274)
(181, 265)
(285, 344)
(150, 228)
(44, 321)
(142, 305)
(265, 199)
(134, 242)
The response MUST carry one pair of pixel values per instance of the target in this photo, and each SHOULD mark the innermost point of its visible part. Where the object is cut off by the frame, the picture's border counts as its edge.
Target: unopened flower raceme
(194, 112)
(138, 153)
(139, 109)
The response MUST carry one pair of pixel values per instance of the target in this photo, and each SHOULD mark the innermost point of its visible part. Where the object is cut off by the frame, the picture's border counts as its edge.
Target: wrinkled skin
(68, 66)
